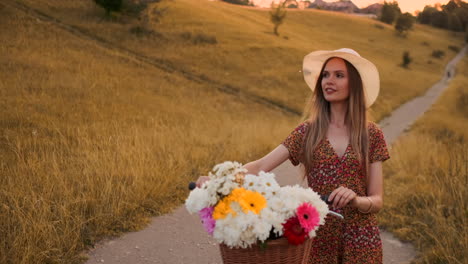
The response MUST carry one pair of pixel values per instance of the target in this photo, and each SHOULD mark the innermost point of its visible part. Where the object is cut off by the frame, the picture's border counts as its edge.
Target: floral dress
(355, 239)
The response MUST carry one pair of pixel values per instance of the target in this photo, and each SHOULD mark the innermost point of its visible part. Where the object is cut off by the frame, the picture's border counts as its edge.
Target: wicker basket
(277, 251)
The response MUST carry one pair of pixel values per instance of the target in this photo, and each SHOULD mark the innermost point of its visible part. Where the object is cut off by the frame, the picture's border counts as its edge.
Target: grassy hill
(273, 63)
(101, 127)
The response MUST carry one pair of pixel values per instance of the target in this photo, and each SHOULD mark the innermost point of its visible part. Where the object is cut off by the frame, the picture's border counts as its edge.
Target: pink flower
(308, 216)
(206, 216)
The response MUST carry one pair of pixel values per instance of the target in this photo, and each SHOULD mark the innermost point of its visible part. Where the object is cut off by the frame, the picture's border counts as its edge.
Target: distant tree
(277, 16)
(451, 6)
(404, 23)
(440, 19)
(457, 11)
(390, 12)
(425, 16)
(454, 23)
(110, 5)
(406, 59)
(452, 16)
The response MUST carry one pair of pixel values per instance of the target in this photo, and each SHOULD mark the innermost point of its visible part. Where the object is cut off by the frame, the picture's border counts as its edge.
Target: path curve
(180, 238)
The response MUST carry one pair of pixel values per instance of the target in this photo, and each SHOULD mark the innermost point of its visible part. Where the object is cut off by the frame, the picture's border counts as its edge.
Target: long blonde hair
(318, 111)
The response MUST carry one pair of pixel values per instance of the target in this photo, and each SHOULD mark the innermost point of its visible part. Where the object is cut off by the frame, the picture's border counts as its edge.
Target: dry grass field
(93, 140)
(427, 177)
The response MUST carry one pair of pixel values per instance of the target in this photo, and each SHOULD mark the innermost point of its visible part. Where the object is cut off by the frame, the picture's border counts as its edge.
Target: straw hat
(314, 61)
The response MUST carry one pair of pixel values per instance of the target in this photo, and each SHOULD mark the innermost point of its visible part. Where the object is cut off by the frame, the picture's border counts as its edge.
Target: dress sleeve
(378, 147)
(294, 143)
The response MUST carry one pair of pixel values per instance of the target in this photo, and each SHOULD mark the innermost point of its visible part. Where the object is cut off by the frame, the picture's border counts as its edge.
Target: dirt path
(180, 238)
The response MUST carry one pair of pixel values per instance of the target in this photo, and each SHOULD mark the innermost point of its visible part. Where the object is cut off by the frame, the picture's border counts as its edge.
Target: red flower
(294, 232)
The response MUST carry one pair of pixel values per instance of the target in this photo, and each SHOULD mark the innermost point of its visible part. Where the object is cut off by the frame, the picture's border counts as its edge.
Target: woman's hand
(342, 196)
(201, 180)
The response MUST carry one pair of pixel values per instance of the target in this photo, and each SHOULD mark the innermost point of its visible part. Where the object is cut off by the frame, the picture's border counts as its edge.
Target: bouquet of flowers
(241, 209)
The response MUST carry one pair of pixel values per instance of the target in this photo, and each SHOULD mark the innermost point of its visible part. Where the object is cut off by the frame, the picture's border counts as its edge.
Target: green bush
(141, 31)
(438, 54)
(133, 8)
(202, 38)
(198, 38)
(186, 35)
(406, 59)
(454, 48)
(110, 5)
(379, 26)
(404, 23)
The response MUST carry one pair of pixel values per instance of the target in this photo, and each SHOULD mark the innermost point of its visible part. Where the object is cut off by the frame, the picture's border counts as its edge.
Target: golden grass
(92, 141)
(426, 180)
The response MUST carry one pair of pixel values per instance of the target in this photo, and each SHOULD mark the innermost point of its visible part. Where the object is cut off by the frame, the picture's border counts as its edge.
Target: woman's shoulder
(377, 145)
(304, 124)
(373, 127)
(374, 131)
(302, 127)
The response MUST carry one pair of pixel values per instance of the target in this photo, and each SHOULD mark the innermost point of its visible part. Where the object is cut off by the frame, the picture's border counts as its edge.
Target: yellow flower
(248, 201)
(252, 201)
(222, 209)
(236, 194)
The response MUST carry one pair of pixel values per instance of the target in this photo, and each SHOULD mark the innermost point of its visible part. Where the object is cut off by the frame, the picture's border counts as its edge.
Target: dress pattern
(355, 239)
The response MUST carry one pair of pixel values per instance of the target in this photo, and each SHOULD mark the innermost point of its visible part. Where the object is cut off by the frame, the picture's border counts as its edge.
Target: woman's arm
(374, 191)
(269, 161)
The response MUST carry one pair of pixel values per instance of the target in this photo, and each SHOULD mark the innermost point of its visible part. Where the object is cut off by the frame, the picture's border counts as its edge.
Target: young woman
(342, 154)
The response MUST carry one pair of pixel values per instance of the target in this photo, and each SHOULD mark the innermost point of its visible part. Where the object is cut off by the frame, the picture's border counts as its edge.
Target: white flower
(262, 230)
(197, 200)
(264, 183)
(250, 182)
(274, 218)
(228, 168)
(242, 229)
(228, 185)
(269, 180)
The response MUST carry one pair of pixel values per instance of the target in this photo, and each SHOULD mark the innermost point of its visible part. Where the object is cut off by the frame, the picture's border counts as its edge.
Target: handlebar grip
(192, 185)
(325, 199)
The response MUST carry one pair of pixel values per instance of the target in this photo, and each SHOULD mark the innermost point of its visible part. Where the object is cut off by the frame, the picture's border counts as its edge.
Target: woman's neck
(338, 114)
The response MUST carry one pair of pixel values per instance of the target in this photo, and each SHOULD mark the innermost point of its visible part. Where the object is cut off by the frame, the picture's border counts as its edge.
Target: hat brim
(313, 63)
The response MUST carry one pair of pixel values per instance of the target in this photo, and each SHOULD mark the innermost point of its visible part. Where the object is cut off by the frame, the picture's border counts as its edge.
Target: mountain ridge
(346, 6)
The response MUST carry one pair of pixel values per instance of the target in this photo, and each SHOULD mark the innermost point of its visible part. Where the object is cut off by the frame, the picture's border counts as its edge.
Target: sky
(405, 5)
